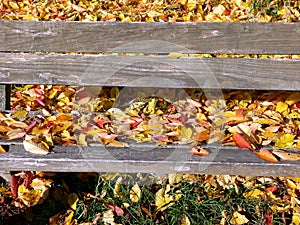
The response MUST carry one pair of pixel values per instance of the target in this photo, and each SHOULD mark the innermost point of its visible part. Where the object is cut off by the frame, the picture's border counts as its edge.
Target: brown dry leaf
(118, 144)
(34, 147)
(293, 156)
(4, 129)
(65, 217)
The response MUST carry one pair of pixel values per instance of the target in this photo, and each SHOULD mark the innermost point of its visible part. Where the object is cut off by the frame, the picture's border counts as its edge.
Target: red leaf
(269, 218)
(28, 179)
(14, 185)
(40, 102)
(119, 211)
(240, 141)
(272, 189)
(38, 91)
(30, 127)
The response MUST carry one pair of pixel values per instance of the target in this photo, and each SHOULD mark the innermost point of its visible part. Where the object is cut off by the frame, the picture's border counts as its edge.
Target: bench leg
(5, 175)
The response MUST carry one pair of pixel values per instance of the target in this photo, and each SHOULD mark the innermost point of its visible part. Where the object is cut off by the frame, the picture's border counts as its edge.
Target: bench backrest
(33, 52)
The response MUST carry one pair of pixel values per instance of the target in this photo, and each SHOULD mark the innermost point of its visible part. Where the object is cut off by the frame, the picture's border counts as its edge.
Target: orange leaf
(266, 155)
(202, 136)
(199, 151)
(240, 141)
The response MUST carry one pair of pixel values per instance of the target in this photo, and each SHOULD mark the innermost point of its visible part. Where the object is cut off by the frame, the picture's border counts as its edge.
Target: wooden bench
(34, 52)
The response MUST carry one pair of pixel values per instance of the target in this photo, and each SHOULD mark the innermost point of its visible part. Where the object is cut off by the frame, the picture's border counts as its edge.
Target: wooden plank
(222, 160)
(231, 38)
(150, 71)
(2, 97)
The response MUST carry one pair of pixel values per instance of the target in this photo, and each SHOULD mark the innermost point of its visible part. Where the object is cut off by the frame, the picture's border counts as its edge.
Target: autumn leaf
(238, 218)
(35, 148)
(293, 156)
(174, 178)
(241, 142)
(72, 200)
(266, 155)
(285, 140)
(135, 193)
(199, 151)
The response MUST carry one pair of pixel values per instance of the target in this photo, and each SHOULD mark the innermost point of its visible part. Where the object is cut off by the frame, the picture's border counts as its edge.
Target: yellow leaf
(238, 218)
(256, 193)
(182, 2)
(291, 184)
(175, 178)
(163, 200)
(29, 197)
(117, 189)
(72, 200)
(20, 114)
(186, 133)
(296, 218)
(191, 5)
(265, 121)
(14, 5)
(52, 93)
(185, 221)
(81, 140)
(281, 107)
(37, 194)
(286, 140)
(281, 12)
(30, 17)
(176, 55)
(135, 193)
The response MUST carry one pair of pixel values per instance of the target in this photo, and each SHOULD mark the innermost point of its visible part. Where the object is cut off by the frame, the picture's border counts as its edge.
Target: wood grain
(177, 159)
(228, 38)
(150, 71)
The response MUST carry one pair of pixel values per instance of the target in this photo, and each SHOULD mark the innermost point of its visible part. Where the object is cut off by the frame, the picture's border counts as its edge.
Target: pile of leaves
(256, 120)
(88, 198)
(152, 10)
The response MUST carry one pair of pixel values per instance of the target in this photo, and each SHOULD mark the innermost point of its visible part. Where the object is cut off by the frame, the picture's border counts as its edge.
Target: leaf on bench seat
(34, 147)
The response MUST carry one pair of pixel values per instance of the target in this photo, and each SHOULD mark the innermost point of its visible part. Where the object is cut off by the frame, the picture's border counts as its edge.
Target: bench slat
(97, 70)
(222, 160)
(228, 38)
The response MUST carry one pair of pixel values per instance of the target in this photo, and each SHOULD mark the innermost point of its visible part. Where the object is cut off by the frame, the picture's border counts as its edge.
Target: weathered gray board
(99, 70)
(228, 38)
(177, 159)
(2, 97)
